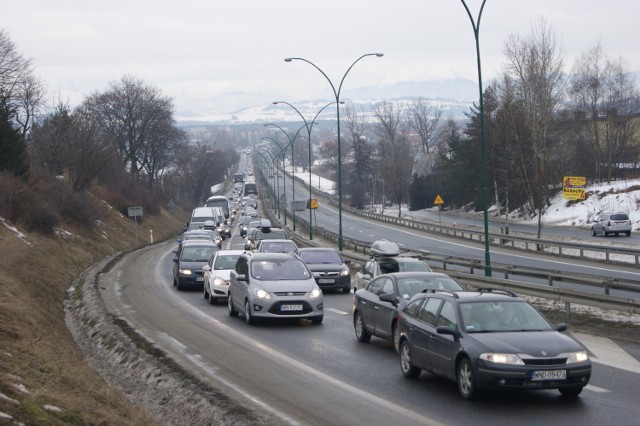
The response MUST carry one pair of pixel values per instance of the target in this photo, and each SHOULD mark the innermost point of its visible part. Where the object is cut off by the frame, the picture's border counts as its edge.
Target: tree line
(122, 142)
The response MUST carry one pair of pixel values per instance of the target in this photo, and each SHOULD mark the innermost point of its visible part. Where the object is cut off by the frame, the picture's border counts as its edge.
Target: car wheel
(231, 308)
(408, 369)
(361, 333)
(466, 382)
(593, 232)
(628, 233)
(317, 319)
(605, 233)
(571, 392)
(206, 293)
(179, 285)
(247, 313)
(395, 332)
(212, 300)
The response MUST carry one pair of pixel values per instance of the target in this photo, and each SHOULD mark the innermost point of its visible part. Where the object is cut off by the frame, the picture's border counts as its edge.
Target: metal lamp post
(293, 170)
(476, 32)
(282, 152)
(309, 127)
(336, 93)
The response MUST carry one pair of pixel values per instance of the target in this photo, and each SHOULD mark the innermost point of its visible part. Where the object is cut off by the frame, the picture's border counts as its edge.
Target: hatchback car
(189, 259)
(329, 269)
(385, 259)
(274, 285)
(376, 308)
(263, 231)
(611, 223)
(489, 339)
(217, 272)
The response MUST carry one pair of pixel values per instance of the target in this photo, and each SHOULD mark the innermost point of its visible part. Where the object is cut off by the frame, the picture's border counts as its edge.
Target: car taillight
(609, 223)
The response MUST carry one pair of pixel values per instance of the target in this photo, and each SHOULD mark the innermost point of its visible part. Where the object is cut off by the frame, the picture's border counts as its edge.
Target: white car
(216, 274)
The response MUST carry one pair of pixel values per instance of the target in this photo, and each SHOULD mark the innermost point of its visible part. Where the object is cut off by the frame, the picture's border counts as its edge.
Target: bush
(21, 205)
(72, 206)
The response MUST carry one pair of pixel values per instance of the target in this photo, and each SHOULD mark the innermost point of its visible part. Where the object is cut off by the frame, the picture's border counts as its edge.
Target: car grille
(290, 293)
(275, 308)
(545, 361)
(327, 274)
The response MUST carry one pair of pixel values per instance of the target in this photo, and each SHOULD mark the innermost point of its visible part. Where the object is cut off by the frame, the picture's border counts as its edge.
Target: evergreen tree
(13, 149)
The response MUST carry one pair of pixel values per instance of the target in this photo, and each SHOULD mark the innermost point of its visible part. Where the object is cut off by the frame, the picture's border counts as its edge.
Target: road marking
(337, 311)
(608, 353)
(596, 389)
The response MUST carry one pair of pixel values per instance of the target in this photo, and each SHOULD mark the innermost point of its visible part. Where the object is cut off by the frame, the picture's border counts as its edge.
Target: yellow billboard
(573, 187)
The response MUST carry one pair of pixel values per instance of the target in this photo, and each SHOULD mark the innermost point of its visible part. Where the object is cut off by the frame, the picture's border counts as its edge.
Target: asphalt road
(305, 374)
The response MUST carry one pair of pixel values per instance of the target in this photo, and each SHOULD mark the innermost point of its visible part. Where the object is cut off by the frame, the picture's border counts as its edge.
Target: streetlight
(268, 155)
(282, 152)
(309, 127)
(476, 33)
(336, 93)
(293, 171)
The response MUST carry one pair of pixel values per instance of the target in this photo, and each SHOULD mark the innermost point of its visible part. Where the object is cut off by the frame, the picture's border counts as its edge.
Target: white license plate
(291, 307)
(199, 278)
(326, 281)
(548, 375)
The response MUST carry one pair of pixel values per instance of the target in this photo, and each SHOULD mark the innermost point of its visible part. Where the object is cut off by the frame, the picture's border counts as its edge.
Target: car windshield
(288, 269)
(483, 317)
(197, 254)
(270, 234)
(278, 247)
(317, 257)
(227, 261)
(620, 216)
(389, 267)
(408, 287)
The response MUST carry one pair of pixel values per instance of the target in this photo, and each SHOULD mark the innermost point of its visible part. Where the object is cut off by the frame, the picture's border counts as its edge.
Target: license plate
(199, 278)
(548, 375)
(291, 307)
(326, 281)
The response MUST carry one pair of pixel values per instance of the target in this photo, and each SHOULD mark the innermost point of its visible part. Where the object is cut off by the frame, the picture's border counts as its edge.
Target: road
(305, 374)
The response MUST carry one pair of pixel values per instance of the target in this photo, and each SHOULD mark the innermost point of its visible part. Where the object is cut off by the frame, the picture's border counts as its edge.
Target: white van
(202, 214)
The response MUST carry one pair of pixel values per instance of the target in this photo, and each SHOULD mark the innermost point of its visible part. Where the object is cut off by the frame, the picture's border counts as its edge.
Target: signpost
(135, 212)
(439, 202)
(574, 187)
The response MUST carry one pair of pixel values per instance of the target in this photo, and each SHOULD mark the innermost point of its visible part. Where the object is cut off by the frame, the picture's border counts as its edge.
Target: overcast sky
(200, 52)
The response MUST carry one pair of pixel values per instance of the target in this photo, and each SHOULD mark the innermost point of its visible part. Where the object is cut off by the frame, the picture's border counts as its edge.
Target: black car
(189, 259)
(329, 269)
(489, 339)
(376, 308)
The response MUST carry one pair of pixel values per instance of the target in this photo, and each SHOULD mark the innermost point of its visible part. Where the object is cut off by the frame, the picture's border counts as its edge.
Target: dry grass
(44, 379)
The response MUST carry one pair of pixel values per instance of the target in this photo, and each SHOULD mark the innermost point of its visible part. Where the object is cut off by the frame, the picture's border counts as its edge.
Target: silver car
(611, 223)
(274, 285)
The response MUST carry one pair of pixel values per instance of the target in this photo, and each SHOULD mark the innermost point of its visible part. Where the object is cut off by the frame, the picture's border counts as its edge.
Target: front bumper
(490, 376)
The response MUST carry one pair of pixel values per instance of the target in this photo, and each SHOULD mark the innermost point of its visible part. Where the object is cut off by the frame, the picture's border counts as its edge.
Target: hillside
(44, 378)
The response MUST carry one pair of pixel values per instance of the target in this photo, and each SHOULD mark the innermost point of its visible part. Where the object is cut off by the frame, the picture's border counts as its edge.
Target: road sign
(298, 205)
(574, 187)
(438, 200)
(312, 203)
(135, 211)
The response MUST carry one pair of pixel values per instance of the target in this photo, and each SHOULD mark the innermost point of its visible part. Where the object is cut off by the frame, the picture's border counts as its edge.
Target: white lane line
(596, 389)
(337, 311)
(608, 353)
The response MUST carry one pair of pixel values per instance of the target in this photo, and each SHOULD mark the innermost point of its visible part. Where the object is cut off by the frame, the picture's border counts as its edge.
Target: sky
(214, 56)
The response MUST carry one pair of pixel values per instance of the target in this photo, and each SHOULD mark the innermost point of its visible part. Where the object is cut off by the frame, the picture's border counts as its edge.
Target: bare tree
(360, 160)
(534, 67)
(395, 151)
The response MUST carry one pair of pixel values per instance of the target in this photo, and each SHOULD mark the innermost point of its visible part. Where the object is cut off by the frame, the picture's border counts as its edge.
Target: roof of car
(414, 274)
(202, 242)
(483, 294)
(316, 248)
(271, 256)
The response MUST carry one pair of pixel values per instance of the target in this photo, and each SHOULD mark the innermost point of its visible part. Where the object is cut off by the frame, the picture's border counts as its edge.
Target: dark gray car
(329, 269)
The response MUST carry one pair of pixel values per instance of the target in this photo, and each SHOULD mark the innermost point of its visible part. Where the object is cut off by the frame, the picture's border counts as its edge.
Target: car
(216, 274)
(329, 269)
(199, 234)
(274, 285)
(276, 246)
(489, 339)
(263, 231)
(611, 223)
(385, 258)
(245, 224)
(376, 308)
(189, 259)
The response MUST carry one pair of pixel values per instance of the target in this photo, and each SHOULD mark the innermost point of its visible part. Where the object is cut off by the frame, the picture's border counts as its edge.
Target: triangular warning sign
(438, 200)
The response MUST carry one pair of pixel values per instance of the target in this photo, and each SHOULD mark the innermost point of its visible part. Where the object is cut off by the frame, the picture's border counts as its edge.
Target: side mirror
(241, 277)
(443, 329)
(346, 261)
(389, 298)
(206, 268)
(560, 327)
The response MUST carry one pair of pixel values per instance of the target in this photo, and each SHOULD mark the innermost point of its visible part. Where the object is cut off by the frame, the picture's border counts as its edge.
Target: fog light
(503, 382)
(257, 308)
(320, 306)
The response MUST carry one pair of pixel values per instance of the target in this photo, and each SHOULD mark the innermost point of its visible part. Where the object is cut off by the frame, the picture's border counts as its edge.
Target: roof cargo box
(385, 248)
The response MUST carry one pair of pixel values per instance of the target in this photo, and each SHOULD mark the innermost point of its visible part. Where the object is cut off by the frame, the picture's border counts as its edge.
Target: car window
(270, 270)
(447, 316)
(316, 257)
(412, 308)
(429, 311)
(387, 287)
(226, 262)
(388, 267)
(413, 267)
(502, 316)
(369, 268)
(375, 286)
(619, 217)
(242, 266)
(197, 254)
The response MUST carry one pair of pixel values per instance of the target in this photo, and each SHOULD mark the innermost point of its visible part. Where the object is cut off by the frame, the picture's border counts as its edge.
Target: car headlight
(344, 272)
(315, 293)
(185, 271)
(575, 357)
(261, 294)
(511, 359)
(219, 281)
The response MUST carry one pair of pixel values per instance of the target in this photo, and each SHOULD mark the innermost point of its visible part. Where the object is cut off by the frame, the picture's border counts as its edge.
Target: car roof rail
(435, 290)
(497, 290)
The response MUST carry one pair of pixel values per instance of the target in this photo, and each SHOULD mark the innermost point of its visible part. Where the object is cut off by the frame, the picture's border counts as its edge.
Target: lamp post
(282, 152)
(336, 93)
(268, 155)
(293, 171)
(309, 127)
(476, 32)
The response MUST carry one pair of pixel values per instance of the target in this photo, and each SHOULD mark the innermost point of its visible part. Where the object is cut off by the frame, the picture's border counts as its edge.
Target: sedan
(274, 285)
(189, 259)
(329, 269)
(489, 339)
(376, 308)
(216, 274)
